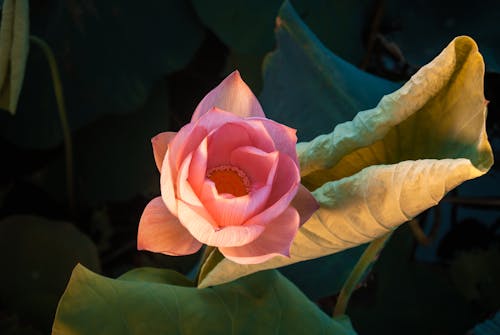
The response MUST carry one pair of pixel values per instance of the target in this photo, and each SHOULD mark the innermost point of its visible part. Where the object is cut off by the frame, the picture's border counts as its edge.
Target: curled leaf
(391, 162)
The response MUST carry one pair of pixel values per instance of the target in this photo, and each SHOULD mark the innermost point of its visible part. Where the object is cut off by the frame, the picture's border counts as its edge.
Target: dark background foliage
(132, 69)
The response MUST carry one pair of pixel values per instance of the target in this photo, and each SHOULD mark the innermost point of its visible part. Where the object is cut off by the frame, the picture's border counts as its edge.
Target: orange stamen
(229, 179)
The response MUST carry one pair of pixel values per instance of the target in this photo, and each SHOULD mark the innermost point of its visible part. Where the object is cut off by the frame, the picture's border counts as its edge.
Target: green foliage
(309, 88)
(37, 256)
(324, 276)
(403, 291)
(235, 23)
(154, 301)
(389, 163)
(109, 53)
(427, 26)
(14, 46)
(247, 26)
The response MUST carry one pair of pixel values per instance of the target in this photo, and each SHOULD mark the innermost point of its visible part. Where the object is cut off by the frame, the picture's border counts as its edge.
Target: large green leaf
(109, 53)
(14, 46)
(391, 162)
(338, 23)
(309, 88)
(36, 258)
(245, 26)
(154, 301)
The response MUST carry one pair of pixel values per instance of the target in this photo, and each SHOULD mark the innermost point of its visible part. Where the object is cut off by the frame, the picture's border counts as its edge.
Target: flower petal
(223, 141)
(201, 225)
(198, 168)
(188, 139)
(184, 190)
(160, 231)
(284, 189)
(232, 95)
(257, 164)
(275, 240)
(167, 186)
(228, 210)
(160, 143)
(260, 168)
(284, 138)
(304, 203)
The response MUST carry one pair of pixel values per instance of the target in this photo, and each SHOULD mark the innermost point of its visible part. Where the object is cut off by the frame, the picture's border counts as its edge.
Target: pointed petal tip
(232, 95)
(160, 144)
(236, 74)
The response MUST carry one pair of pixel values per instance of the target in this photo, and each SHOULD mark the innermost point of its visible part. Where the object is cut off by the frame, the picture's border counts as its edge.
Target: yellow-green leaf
(14, 48)
(160, 301)
(391, 162)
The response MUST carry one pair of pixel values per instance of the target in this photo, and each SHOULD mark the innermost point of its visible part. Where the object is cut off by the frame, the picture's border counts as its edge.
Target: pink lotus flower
(230, 179)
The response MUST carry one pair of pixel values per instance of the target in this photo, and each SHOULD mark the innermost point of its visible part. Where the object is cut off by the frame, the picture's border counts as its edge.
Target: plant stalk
(63, 118)
(368, 257)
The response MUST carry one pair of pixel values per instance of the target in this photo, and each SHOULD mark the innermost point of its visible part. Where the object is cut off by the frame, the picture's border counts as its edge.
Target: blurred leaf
(113, 156)
(390, 163)
(109, 53)
(14, 46)
(324, 276)
(309, 88)
(423, 28)
(245, 26)
(338, 23)
(476, 275)
(488, 327)
(37, 256)
(404, 291)
(148, 301)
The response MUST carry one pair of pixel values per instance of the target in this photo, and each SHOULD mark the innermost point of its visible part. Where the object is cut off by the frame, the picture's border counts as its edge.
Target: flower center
(229, 179)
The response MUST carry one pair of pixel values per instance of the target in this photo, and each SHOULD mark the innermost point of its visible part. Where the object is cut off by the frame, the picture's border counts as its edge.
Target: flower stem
(204, 257)
(63, 118)
(368, 257)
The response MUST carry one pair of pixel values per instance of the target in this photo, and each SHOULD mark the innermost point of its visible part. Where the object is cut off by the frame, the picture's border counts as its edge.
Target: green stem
(63, 118)
(367, 258)
(206, 253)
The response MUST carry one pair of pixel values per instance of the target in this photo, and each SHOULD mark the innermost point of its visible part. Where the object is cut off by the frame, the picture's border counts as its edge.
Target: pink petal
(228, 210)
(284, 189)
(160, 231)
(167, 187)
(284, 138)
(160, 143)
(201, 225)
(256, 163)
(184, 190)
(188, 139)
(275, 240)
(198, 168)
(232, 95)
(304, 203)
(223, 141)
(257, 132)
(214, 118)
